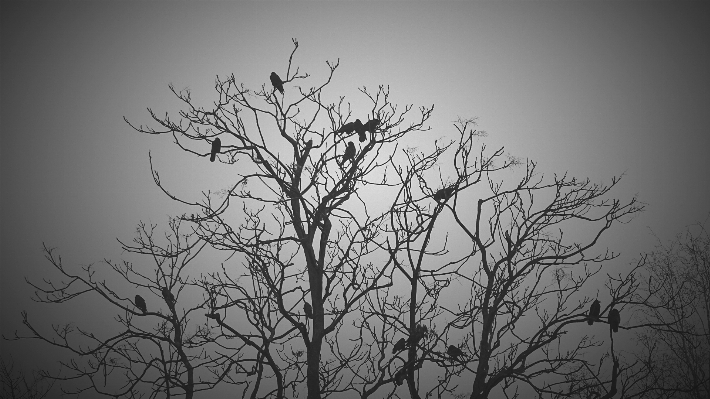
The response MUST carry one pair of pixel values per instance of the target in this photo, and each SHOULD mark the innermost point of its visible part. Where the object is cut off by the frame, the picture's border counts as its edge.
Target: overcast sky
(595, 89)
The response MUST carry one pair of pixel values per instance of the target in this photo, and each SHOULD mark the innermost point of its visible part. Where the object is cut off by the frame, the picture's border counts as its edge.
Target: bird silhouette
(614, 320)
(308, 310)
(140, 303)
(347, 128)
(216, 146)
(444, 194)
(277, 82)
(418, 334)
(401, 374)
(349, 153)
(168, 296)
(593, 312)
(360, 129)
(454, 352)
(399, 346)
(214, 316)
(371, 125)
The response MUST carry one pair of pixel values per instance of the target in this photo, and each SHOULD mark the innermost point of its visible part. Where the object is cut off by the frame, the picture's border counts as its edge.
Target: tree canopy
(365, 266)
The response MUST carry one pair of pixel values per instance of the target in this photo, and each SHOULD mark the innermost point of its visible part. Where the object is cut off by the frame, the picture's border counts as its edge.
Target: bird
(418, 334)
(371, 125)
(216, 146)
(614, 320)
(399, 377)
(140, 303)
(308, 310)
(277, 82)
(360, 129)
(347, 128)
(399, 346)
(454, 352)
(349, 153)
(594, 312)
(214, 316)
(444, 194)
(168, 296)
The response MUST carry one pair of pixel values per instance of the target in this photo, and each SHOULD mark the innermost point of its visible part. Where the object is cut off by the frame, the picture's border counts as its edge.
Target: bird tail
(615, 328)
(212, 157)
(590, 321)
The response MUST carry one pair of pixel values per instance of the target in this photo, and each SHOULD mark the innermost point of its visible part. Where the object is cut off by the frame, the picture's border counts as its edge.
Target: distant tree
(677, 342)
(14, 384)
(340, 278)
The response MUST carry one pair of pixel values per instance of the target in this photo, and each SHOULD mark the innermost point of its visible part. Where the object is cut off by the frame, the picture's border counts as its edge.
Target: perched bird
(399, 346)
(614, 320)
(349, 153)
(399, 377)
(347, 128)
(371, 125)
(594, 312)
(308, 310)
(216, 146)
(214, 316)
(444, 194)
(454, 352)
(277, 82)
(418, 334)
(168, 296)
(140, 303)
(360, 129)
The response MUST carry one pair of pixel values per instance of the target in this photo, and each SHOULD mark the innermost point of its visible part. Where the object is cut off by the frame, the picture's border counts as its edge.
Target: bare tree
(677, 342)
(16, 385)
(339, 275)
(157, 350)
(308, 239)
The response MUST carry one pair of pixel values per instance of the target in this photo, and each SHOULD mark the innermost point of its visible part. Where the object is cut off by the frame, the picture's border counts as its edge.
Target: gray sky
(595, 89)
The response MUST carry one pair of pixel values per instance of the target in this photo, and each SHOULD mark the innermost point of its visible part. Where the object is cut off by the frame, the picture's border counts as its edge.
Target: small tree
(157, 349)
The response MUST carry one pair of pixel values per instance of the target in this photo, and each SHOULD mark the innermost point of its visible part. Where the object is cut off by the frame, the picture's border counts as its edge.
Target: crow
(371, 125)
(444, 194)
(349, 153)
(277, 82)
(360, 129)
(401, 374)
(419, 333)
(214, 316)
(454, 352)
(168, 296)
(594, 312)
(399, 346)
(216, 146)
(308, 310)
(347, 128)
(614, 320)
(140, 304)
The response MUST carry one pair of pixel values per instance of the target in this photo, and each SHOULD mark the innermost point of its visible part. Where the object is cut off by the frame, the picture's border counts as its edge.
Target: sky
(594, 89)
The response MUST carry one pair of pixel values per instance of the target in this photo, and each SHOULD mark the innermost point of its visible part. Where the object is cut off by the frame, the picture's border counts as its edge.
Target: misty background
(594, 89)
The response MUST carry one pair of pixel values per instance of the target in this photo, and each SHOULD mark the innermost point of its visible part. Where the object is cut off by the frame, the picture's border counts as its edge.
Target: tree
(15, 384)
(677, 343)
(319, 280)
(155, 351)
